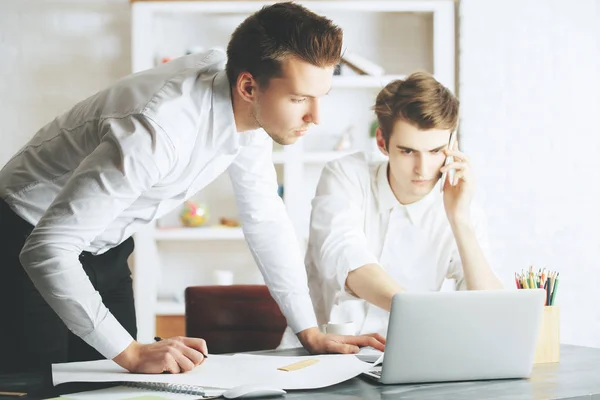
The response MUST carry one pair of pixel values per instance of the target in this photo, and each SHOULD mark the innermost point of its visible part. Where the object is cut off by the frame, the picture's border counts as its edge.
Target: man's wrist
(460, 222)
(308, 336)
(129, 357)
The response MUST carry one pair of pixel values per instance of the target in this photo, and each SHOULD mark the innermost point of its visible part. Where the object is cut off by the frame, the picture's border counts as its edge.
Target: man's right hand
(174, 355)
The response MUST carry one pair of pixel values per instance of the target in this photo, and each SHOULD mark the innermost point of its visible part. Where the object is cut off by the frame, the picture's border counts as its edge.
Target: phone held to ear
(449, 160)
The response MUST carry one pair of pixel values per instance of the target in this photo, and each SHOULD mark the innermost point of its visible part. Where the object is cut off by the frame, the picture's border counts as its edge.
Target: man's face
(415, 157)
(287, 107)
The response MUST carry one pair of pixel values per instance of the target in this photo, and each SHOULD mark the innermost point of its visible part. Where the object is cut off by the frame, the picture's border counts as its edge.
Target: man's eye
(405, 151)
(298, 100)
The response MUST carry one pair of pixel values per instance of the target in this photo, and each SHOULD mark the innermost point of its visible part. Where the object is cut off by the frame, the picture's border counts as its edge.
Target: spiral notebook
(147, 391)
(167, 387)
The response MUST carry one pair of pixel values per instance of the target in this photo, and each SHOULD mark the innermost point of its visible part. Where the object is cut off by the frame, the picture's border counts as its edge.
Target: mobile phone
(449, 160)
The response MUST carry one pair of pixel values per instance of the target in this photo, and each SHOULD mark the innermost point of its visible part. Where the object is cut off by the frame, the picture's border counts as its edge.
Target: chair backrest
(233, 318)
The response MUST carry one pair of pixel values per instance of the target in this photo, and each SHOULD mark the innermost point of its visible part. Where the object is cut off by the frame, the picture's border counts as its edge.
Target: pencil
(554, 292)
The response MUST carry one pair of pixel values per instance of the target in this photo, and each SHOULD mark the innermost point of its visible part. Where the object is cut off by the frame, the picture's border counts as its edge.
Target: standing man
(72, 197)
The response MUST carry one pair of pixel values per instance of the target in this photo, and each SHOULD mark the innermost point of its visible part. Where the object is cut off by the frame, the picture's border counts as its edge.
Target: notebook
(142, 391)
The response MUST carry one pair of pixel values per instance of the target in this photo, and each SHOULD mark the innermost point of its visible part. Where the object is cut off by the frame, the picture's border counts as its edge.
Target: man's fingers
(342, 348)
(378, 344)
(377, 337)
(375, 343)
(171, 364)
(457, 154)
(195, 343)
(457, 165)
(364, 341)
(192, 354)
(183, 362)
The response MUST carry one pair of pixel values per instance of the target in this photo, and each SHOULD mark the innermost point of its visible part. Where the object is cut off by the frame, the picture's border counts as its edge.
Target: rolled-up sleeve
(131, 157)
(270, 233)
(337, 233)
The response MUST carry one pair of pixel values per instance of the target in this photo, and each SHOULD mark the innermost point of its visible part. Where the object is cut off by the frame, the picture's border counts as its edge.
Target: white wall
(55, 53)
(530, 92)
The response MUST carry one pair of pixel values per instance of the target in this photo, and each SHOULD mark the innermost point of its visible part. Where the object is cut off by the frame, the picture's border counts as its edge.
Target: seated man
(379, 229)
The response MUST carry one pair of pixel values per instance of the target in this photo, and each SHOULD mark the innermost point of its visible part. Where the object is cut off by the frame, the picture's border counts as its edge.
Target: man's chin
(284, 141)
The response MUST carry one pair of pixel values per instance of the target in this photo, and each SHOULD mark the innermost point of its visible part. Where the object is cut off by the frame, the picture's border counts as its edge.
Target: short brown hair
(420, 100)
(275, 32)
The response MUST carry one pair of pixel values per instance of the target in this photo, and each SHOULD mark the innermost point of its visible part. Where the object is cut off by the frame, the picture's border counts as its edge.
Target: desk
(577, 376)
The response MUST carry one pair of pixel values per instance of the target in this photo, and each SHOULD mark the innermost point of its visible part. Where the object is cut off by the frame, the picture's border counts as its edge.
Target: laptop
(461, 336)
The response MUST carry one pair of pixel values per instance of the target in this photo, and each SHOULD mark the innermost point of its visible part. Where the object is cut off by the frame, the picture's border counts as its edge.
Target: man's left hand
(317, 342)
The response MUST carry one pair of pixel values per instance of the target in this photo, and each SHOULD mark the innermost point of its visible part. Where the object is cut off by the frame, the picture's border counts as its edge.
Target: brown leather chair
(233, 318)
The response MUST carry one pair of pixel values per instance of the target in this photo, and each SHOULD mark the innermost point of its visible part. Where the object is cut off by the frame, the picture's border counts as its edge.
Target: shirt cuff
(299, 312)
(354, 260)
(109, 338)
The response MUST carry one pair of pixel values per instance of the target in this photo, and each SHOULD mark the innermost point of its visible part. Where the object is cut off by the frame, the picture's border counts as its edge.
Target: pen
(15, 394)
(158, 339)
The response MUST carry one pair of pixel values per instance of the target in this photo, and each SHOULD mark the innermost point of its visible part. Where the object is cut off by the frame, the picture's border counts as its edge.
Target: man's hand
(174, 355)
(317, 342)
(458, 197)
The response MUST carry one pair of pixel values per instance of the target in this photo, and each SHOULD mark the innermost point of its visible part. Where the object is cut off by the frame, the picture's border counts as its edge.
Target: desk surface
(577, 376)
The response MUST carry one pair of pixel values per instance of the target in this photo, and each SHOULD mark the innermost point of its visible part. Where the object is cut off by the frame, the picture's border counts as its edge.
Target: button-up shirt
(357, 220)
(128, 155)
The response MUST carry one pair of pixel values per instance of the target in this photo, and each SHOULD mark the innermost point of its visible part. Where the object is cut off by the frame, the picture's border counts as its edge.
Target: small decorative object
(345, 141)
(373, 136)
(193, 214)
(229, 222)
(373, 129)
(337, 70)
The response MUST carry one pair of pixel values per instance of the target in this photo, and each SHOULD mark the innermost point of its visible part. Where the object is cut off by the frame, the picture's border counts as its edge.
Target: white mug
(346, 328)
(223, 277)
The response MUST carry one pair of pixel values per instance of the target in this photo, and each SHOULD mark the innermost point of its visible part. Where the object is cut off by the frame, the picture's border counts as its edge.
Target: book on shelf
(362, 65)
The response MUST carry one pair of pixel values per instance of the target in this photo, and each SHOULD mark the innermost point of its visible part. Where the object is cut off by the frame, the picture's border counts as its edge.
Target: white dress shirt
(129, 154)
(357, 220)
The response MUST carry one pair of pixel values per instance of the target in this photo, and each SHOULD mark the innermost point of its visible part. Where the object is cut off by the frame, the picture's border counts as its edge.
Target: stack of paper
(226, 372)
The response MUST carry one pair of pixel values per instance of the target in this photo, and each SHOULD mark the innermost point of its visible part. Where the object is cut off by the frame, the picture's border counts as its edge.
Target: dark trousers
(32, 336)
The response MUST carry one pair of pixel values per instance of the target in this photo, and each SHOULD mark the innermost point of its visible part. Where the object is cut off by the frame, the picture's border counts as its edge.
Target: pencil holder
(547, 349)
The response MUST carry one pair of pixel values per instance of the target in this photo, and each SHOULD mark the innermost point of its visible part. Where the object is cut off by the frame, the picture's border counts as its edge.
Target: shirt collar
(222, 108)
(224, 119)
(385, 197)
(387, 200)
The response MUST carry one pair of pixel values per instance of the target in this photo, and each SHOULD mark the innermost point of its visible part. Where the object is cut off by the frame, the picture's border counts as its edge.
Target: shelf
(322, 157)
(237, 7)
(368, 82)
(208, 233)
(164, 307)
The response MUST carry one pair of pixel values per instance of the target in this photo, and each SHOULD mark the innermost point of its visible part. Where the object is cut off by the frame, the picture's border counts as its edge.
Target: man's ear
(381, 141)
(247, 87)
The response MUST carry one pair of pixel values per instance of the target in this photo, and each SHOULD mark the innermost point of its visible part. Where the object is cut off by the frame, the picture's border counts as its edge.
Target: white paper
(370, 355)
(226, 372)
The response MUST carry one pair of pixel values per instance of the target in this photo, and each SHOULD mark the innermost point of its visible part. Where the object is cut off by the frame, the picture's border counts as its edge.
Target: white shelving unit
(219, 233)
(401, 36)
